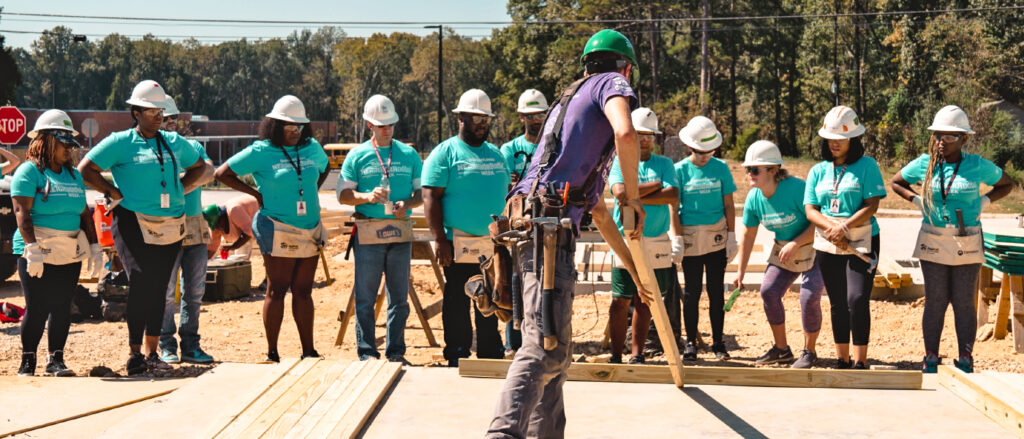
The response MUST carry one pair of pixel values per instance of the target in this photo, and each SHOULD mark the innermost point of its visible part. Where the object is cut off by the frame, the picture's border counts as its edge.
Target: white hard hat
(951, 118)
(169, 108)
(645, 121)
(763, 152)
(841, 123)
(532, 101)
(701, 134)
(474, 101)
(52, 120)
(379, 110)
(289, 109)
(147, 94)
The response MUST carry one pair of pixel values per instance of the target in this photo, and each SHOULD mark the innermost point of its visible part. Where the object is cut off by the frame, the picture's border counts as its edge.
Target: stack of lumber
(999, 395)
(891, 274)
(1004, 249)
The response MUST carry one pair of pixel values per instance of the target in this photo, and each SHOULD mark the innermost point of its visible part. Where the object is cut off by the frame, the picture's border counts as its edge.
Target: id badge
(300, 208)
(165, 201)
(833, 207)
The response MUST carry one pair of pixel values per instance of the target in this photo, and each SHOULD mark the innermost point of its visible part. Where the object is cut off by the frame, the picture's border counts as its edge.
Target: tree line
(770, 77)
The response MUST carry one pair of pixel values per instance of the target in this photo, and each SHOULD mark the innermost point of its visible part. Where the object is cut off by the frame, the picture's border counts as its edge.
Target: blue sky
(400, 10)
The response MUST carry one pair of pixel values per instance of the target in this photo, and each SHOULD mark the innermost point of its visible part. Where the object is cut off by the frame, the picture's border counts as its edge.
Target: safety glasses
(534, 117)
(477, 119)
(703, 153)
(153, 112)
(948, 138)
(170, 118)
(754, 170)
(295, 128)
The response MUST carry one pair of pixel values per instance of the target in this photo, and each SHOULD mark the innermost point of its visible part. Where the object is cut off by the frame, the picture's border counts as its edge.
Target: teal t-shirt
(513, 164)
(278, 181)
(782, 214)
(963, 193)
(475, 182)
(62, 209)
(362, 171)
(701, 189)
(656, 168)
(858, 182)
(194, 199)
(135, 165)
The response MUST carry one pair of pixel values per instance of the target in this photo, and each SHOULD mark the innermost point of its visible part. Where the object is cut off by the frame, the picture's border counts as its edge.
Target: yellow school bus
(336, 153)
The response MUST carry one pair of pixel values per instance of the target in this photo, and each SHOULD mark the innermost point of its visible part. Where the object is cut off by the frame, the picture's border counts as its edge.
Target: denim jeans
(192, 261)
(372, 261)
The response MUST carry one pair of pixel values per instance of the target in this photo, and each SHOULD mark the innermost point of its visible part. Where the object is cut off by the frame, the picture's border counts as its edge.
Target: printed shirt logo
(479, 166)
(621, 84)
(703, 186)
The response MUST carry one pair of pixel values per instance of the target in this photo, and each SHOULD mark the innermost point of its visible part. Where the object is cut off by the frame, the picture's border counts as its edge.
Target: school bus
(336, 153)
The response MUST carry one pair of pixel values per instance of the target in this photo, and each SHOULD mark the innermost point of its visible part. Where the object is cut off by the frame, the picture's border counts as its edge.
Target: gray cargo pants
(530, 404)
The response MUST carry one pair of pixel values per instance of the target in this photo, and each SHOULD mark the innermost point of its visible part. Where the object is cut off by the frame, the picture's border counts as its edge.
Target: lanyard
(386, 169)
(943, 187)
(297, 164)
(160, 145)
(835, 179)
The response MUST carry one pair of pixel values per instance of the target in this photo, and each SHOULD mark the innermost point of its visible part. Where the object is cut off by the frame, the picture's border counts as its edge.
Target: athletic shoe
(272, 357)
(931, 363)
(690, 352)
(399, 359)
(775, 355)
(169, 356)
(636, 359)
(860, 365)
(136, 364)
(720, 352)
(55, 365)
(154, 362)
(966, 363)
(28, 364)
(197, 356)
(806, 360)
(615, 359)
(311, 354)
(843, 364)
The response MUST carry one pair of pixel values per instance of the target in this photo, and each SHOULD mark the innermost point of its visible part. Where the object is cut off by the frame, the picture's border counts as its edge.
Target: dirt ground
(233, 330)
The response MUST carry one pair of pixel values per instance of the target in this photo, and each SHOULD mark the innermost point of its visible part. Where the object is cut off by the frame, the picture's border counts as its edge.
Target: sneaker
(720, 352)
(28, 364)
(966, 363)
(197, 356)
(931, 363)
(806, 360)
(843, 364)
(399, 359)
(776, 355)
(690, 352)
(636, 359)
(272, 357)
(311, 354)
(154, 362)
(615, 359)
(169, 356)
(55, 365)
(136, 364)
(860, 365)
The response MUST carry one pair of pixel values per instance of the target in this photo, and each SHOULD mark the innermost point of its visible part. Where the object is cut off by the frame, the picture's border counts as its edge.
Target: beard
(533, 129)
(470, 137)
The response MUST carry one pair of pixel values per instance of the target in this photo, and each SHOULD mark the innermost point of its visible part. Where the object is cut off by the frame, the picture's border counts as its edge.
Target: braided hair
(41, 151)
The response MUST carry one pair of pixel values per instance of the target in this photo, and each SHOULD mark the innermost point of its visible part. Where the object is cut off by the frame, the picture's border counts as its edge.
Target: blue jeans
(372, 261)
(192, 261)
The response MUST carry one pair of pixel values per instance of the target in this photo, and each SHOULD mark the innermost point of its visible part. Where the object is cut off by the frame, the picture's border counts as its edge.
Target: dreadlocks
(41, 151)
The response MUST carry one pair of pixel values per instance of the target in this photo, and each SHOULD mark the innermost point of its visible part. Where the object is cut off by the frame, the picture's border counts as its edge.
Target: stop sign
(12, 125)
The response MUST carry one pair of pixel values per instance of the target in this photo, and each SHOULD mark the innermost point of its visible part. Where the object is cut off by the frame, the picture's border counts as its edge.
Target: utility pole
(440, 78)
(654, 53)
(705, 74)
(835, 51)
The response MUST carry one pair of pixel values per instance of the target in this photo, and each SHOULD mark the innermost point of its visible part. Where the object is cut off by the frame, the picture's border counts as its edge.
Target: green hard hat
(608, 40)
(211, 214)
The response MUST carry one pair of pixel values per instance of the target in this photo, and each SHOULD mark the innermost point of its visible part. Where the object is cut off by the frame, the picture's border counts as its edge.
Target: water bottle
(386, 186)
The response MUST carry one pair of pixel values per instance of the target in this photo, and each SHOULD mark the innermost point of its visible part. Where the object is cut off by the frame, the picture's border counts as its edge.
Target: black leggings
(149, 271)
(47, 298)
(848, 281)
(694, 268)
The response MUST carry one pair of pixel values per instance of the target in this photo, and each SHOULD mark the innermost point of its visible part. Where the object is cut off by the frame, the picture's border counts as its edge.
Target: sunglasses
(477, 118)
(390, 125)
(295, 128)
(754, 170)
(65, 137)
(170, 118)
(949, 138)
(534, 116)
(702, 153)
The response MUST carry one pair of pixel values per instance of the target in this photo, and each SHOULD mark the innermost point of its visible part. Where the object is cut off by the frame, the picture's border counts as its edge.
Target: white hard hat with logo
(380, 111)
(169, 108)
(52, 120)
(701, 134)
(951, 118)
(147, 94)
(532, 101)
(474, 101)
(841, 123)
(289, 109)
(763, 153)
(645, 121)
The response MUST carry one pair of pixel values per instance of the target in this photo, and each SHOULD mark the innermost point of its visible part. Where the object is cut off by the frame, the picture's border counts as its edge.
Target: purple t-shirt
(585, 132)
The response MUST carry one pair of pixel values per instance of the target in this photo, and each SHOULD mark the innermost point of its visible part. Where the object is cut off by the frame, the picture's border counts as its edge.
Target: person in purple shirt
(596, 123)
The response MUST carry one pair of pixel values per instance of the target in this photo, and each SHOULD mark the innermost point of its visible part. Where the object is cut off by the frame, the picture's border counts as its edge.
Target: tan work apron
(161, 230)
(658, 247)
(859, 237)
(704, 239)
(293, 242)
(801, 262)
(942, 245)
(197, 231)
(383, 231)
(62, 247)
(469, 248)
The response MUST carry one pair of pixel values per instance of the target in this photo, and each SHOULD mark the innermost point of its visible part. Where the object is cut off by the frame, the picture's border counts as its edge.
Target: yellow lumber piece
(967, 387)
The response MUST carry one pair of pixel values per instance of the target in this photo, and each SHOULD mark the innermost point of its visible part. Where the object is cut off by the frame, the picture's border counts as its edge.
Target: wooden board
(726, 376)
(256, 408)
(979, 392)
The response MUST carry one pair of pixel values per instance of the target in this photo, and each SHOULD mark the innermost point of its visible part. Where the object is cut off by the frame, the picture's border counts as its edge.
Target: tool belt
(859, 238)
(293, 242)
(161, 230)
(801, 262)
(62, 247)
(946, 246)
(197, 231)
(383, 231)
(703, 239)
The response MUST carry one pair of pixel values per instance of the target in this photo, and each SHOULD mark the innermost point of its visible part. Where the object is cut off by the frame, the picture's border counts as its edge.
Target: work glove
(731, 248)
(985, 201)
(94, 265)
(918, 202)
(677, 249)
(34, 256)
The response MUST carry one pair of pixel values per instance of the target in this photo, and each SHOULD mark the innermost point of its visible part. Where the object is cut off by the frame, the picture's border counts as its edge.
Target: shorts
(263, 233)
(624, 288)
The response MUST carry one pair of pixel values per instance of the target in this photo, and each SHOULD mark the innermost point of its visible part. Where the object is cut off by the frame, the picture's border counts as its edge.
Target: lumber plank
(261, 425)
(249, 393)
(360, 412)
(257, 407)
(967, 388)
(726, 376)
(417, 307)
(309, 420)
(345, 317)
(345, 406)
(305, 400)
(1003, 310)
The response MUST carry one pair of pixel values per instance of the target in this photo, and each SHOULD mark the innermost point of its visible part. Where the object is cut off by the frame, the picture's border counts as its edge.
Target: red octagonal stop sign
(12, 125)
